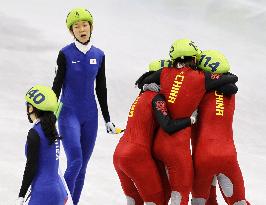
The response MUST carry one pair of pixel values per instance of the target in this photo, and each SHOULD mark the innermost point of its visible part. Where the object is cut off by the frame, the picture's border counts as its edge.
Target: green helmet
(42, 98)
(183, 47)
(158, 64)
(78, 14)
(213, 61)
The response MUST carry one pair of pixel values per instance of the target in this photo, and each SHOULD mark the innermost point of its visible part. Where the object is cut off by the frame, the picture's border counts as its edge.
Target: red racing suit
(214, 150)
(183, 89)
(138, 172)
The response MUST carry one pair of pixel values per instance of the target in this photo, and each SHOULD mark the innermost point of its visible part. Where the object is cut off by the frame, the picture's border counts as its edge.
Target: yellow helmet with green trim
(158, 64)
(183, 47)
(78, 14)
(213, 61)
(42, 98)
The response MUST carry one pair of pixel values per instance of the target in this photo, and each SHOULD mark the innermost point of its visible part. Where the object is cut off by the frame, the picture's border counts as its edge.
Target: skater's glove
(19, 201)
(228, 89)
(152, 87)
(110, 128)
(193, 117)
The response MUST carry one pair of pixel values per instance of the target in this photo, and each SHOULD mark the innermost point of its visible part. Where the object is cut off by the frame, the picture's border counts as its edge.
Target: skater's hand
(152, 87)
(111, 129)
(193, 117)
(228, 89)
(19, 201)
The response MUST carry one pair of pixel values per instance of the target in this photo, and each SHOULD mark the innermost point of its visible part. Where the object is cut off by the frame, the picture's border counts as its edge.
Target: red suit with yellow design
(215, 152)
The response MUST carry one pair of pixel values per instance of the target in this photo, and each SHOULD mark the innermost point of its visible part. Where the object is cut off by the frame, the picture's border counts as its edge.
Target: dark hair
(188, 61)
(48, 120)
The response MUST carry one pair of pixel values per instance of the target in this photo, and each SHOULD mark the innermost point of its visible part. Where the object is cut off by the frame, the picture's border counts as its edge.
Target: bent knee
(226, 185)
(130, 201)
(175, 198)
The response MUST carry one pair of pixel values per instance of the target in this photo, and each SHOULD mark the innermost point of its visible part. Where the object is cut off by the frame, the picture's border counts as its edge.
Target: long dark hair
(48, 120)
(188, 61)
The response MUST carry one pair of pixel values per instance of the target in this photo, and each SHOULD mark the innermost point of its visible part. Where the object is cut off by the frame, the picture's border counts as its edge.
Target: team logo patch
(161, 106)
(93, 61)
(215, 76)
(74, 62)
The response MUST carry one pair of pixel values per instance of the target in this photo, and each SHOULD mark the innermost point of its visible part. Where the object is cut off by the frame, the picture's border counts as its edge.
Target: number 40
(36, 96)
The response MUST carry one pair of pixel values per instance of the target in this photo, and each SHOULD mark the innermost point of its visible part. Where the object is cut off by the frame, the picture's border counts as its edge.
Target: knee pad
(242, 202)
(198, 201)
(130, 200)
(226, 185)
(175, 198)
(155, 199)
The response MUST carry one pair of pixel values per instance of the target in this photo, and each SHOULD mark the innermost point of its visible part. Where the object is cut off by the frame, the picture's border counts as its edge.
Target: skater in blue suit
(80, 64)
(42, 151)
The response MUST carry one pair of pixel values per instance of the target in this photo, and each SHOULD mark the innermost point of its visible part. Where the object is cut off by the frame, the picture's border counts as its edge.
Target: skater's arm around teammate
(228, 89)
(150, 77)
(162, 116)
(214, 81)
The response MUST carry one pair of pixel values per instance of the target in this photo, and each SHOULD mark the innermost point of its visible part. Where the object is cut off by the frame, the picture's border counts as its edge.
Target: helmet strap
(86, 43)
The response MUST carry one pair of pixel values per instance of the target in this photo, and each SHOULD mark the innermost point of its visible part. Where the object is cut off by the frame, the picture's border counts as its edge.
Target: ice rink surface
(131, 33)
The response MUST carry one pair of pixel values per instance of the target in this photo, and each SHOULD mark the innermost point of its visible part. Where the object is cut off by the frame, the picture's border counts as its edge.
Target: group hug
(179, 134)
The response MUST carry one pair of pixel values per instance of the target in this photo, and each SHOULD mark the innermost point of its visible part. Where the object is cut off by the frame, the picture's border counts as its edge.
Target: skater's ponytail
(48, 120)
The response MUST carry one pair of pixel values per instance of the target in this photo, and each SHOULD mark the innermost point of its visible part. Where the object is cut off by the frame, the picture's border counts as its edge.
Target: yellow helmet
(78, 14)
(213, 61)
(183, 47)
(158, 64)
(42, 98)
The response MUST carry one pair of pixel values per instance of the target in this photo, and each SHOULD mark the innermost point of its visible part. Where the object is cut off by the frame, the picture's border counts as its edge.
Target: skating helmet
(213, 61)
(158, 64)
(42, 97)
(183, 47)
(78, 14)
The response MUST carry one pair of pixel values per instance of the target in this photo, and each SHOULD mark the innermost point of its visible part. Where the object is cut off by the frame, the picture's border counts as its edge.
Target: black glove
(228, 89)
(231, 76)
(215, 81)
